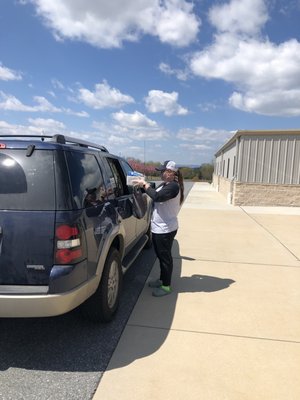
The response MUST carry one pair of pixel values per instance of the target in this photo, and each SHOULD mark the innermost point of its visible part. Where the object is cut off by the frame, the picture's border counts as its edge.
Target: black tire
(149, 242)
(103, 304)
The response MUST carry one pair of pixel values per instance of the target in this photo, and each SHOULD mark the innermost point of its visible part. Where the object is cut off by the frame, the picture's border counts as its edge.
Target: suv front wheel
(103, 304)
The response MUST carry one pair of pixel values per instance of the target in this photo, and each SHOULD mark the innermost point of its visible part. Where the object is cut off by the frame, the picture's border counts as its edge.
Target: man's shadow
(196, 282)
(151, 320)
(202, 283)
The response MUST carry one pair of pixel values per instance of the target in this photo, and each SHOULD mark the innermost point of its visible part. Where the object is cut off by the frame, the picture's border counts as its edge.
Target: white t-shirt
(166, 207)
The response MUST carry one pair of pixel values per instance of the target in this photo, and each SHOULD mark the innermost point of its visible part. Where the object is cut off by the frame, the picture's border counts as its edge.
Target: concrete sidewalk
(231, 328)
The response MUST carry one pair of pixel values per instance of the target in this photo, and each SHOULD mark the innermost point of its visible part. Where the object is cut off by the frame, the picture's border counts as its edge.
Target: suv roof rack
(83, 143)
(61, 139)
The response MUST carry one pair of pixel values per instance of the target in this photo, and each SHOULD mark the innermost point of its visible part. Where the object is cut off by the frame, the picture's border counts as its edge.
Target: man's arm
(168, 191)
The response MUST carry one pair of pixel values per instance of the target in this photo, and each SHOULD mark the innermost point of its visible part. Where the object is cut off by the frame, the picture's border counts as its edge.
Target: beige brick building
(260, 168)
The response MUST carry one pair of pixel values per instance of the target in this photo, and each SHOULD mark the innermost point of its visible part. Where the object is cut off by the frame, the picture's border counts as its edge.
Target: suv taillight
(68, 244)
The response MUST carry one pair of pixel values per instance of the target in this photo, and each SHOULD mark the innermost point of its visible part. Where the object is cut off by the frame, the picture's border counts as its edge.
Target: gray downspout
(235, 172)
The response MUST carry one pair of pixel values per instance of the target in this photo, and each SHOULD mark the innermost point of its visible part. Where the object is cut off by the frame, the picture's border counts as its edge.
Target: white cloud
(107, 135)
(44, 105)
(203, 135)
(202, 140)
(195, 147)
(273, 103)
(138, 126)
(176, 24)
(182, 75)
(265, 74)
(117, 140)
(130, 127)
(36, 126)
(52, 94)
(286, 8)
(241, 16)
(104, 97)
(250, 63)
(57, 84)
(135, 120)
(206, 106)
(108, 24)
(49, 123)
(11, 103)
(7, 74)
(10, 129)
(159, 101)
(258, 69)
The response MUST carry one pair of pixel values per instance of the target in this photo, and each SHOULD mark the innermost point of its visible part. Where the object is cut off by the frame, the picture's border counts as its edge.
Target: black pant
(163, 248)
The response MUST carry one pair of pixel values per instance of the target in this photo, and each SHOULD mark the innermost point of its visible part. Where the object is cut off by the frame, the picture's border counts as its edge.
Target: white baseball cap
(171, 165)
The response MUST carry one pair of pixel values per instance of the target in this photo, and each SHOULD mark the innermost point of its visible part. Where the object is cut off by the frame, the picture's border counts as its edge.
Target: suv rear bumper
(45, 305)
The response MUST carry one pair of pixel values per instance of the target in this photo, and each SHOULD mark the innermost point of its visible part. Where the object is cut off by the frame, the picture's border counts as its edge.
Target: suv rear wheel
(103, 304)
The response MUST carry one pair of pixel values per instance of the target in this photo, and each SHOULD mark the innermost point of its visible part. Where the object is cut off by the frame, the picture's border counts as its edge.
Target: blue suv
(68, 230)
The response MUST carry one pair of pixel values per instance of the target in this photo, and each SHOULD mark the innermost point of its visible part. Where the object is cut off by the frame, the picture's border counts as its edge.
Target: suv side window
(86, 179)
(115, 182)
(126, 167)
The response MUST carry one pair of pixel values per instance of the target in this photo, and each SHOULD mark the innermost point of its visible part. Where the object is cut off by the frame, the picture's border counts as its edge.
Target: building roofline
(261, 132)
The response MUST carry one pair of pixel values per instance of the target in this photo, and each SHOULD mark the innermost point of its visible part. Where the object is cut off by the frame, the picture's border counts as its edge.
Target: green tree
(187, 173)
(206, 172)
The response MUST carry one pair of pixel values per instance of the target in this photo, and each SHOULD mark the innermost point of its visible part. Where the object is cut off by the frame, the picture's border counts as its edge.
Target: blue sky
(150, 79)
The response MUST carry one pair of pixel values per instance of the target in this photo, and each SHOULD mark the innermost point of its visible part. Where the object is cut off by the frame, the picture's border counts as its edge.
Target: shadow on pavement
(202, 283)
(152, 318)
(68, 342)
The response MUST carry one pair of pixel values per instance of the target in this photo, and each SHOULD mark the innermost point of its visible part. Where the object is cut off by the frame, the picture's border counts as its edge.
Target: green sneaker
(161, 291)
(156, 283)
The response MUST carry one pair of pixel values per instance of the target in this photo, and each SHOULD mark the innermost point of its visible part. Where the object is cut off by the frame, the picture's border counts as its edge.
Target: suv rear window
(26, 183)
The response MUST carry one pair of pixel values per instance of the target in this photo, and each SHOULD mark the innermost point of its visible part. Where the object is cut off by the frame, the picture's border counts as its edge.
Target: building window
(228, 164)
(234, 161)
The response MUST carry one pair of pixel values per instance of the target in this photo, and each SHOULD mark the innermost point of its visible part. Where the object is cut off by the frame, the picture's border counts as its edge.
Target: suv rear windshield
(26, 183)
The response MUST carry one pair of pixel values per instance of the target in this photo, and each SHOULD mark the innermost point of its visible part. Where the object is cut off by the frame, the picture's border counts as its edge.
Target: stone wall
(257, 194)
(224, 186)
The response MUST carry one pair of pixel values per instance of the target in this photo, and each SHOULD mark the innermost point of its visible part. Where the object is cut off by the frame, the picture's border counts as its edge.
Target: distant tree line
(202, 173)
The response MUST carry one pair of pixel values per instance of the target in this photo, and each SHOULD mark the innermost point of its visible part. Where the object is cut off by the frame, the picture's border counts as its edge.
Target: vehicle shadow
(152, 318)
(71, 344)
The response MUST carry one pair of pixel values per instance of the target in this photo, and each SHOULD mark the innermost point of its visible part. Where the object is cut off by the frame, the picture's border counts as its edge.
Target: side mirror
(94, 211)
(125, 208)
